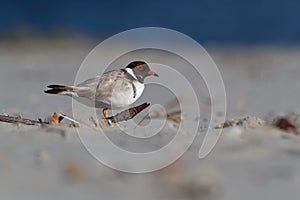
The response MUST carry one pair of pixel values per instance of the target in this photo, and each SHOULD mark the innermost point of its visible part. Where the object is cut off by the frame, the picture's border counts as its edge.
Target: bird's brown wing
(101, 88)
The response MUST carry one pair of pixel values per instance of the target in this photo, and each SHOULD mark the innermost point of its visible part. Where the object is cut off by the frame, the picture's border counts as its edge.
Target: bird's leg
(106, 122)
(105, 113)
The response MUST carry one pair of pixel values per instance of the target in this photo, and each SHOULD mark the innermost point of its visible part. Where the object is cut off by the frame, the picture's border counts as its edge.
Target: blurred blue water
(214, 21)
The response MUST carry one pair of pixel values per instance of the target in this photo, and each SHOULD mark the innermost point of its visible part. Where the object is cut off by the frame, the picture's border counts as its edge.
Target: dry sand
(260, 163)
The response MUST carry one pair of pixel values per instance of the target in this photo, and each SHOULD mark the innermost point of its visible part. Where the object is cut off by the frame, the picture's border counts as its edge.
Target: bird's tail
(60, 89)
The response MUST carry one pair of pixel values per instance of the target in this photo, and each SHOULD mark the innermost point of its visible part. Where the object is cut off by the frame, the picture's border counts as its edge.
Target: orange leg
(105, 113)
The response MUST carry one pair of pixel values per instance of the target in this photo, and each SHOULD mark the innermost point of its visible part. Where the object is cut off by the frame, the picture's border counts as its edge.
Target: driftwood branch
(19, 120)
(128, 114)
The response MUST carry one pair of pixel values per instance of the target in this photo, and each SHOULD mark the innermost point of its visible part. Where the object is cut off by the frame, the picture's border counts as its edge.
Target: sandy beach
(52, 163)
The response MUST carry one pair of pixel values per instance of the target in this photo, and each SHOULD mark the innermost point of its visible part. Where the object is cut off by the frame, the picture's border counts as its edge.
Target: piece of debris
(56, 119)
(245, 122)
(19, 120)
(74, 123)
(286, 124)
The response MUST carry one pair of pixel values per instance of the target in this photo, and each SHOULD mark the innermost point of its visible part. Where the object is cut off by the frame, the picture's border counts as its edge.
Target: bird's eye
(140, 67)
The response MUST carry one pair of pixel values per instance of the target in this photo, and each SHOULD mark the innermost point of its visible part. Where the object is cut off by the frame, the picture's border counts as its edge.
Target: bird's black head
(141, 70)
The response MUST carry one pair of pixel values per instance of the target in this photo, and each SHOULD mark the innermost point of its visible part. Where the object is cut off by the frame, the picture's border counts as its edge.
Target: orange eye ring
(140, 67)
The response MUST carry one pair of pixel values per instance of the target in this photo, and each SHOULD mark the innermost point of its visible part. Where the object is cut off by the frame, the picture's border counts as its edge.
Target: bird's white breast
(121, 99)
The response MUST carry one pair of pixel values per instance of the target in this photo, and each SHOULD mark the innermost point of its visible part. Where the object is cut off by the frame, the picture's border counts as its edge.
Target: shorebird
(112, 90)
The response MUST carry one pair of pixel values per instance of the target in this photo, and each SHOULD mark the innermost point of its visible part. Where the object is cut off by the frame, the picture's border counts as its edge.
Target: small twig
(69, 118)
(19, 120)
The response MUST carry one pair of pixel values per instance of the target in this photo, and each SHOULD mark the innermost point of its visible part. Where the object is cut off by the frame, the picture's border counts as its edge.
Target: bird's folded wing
(102, 87)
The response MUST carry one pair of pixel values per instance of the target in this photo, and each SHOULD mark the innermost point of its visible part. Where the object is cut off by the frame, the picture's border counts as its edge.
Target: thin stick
(69, 118)
(19, 120)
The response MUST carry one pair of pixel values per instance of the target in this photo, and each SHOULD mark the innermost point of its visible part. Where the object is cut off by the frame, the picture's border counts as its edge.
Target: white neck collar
(130, 71)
